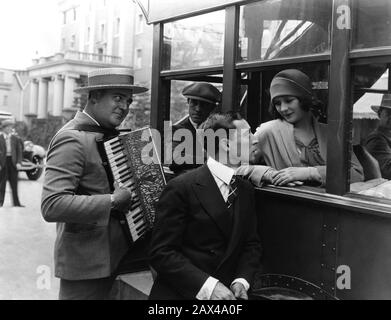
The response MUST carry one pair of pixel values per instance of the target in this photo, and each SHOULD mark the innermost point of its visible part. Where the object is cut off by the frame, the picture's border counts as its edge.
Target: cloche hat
(291, 82)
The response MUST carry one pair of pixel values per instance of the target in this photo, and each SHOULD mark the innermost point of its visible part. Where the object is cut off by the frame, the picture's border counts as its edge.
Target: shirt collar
(193, 123)
(89, 116)
(220, 171)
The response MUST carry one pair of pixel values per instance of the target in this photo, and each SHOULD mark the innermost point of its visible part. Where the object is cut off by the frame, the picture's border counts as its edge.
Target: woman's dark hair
(307, 104)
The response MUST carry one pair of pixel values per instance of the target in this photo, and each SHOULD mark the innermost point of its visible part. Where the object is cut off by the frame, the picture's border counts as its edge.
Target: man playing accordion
(78, 194)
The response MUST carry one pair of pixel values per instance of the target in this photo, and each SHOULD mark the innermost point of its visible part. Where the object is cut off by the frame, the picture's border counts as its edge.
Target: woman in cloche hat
(295, 143)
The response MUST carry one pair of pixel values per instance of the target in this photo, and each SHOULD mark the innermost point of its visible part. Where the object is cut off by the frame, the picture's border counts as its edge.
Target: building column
(33, 108)
(110, 30)
(43, 98)
(69, 86)
(58, 95)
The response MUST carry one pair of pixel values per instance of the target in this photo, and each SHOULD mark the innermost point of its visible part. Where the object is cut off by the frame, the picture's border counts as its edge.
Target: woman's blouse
(310, 155)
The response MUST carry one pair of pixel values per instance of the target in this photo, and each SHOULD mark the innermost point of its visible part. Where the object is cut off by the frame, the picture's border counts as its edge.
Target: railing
(79, 56)
(85, 56)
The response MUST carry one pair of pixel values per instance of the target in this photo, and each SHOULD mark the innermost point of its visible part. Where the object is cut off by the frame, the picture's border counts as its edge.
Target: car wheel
(36, 173)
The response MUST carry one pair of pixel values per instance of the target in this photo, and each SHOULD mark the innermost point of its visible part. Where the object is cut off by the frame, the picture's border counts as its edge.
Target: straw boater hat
(385, 103)
(111, 78)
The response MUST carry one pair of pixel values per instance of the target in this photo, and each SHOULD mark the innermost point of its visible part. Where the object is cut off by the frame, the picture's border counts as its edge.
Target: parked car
(33, 155)
(33, 160)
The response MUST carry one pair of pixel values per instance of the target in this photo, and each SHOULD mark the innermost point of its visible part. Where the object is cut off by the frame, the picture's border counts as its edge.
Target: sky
(27, 27)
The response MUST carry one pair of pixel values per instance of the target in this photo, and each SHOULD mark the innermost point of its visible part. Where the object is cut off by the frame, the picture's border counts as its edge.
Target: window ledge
(350, 201)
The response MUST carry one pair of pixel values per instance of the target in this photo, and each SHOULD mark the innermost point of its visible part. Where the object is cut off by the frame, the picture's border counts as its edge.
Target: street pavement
(26, 247)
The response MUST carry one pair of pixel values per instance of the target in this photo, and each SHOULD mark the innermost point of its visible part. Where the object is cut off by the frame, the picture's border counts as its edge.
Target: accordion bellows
(139, 171)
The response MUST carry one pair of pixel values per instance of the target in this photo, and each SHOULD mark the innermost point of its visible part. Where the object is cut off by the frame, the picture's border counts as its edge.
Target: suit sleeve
(380, 149)
(64, 169)
(250, 260)
(165, 251)
(356, 170)
(254, 173)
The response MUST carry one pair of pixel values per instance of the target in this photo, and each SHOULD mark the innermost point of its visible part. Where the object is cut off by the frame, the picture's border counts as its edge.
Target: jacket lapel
(287, 142)
(209, 195)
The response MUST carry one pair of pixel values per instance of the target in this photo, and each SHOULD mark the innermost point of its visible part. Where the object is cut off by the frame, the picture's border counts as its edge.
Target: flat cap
(202, 91)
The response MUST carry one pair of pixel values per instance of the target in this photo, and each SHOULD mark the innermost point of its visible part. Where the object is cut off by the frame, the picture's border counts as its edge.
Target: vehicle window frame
(340, 115)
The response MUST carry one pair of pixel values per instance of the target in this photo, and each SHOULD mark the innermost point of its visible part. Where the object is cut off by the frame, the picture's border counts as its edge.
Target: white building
(94, 34)
(14, 92)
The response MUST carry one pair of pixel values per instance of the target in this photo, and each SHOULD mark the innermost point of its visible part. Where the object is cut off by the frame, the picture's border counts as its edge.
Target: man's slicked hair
(219, 122)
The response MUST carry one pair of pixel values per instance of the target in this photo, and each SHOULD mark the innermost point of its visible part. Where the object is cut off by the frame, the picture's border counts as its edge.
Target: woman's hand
(292, 175)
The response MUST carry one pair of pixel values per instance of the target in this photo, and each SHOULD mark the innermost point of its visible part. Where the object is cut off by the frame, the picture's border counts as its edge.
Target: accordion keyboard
(124, 177)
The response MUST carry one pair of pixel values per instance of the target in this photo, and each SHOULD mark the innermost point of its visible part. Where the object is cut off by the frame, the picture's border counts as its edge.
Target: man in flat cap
(378, 142)
(11, 155)
(202, 99)
(78, 194)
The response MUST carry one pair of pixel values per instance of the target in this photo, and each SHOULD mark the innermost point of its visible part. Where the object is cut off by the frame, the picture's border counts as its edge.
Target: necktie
(233, 192)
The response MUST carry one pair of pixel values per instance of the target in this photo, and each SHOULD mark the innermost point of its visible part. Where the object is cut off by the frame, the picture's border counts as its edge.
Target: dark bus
(318, 243)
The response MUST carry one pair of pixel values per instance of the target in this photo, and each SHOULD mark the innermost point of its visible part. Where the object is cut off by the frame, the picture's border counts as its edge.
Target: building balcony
(78, 56)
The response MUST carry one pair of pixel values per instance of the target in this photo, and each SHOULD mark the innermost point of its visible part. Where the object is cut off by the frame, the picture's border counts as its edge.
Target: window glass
(194, 42)
(372, 129)
(140, 23)
(372, 24)
(279, 28)
(73, 41)
(117, 26)
(138, 58)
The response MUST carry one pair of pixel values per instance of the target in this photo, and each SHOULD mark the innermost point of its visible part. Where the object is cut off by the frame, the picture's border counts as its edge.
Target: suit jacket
(76, 195)
(193, 160)
(378, 144)
(193, 237)
(16, 150)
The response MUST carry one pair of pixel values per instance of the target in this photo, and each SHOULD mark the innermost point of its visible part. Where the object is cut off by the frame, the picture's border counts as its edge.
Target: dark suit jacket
(89, 244)
(191, 155)
(194, 239)
(379, 145)
(16, 150)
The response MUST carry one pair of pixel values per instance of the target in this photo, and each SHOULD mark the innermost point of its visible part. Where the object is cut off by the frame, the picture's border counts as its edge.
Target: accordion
(135, 164)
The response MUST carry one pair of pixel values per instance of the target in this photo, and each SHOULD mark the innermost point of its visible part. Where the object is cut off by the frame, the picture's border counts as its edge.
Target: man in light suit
(78, 194)
(204, 243)
(11, 155)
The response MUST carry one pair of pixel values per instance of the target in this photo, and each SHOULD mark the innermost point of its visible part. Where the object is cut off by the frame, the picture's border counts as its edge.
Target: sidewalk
(26, 247)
